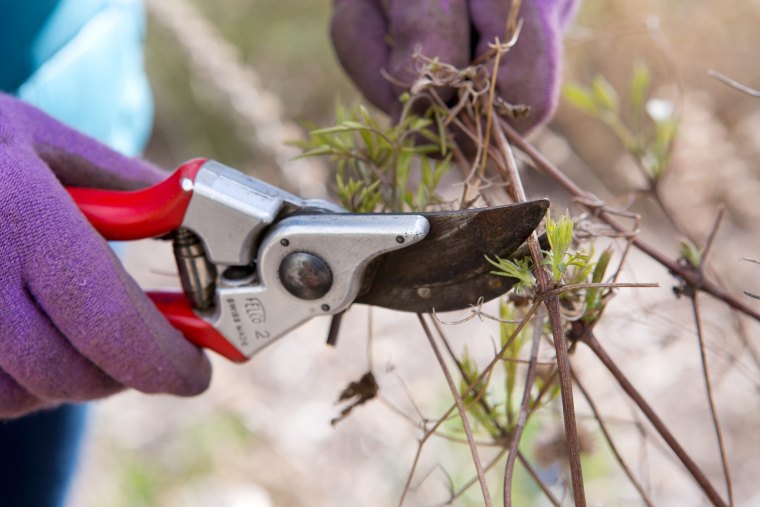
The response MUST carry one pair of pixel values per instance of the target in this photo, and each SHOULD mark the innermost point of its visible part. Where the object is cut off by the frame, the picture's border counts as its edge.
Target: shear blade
(448, 269)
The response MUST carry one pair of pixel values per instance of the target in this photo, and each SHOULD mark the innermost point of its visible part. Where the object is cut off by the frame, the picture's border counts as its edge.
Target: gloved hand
(73, 325)
(455, 31)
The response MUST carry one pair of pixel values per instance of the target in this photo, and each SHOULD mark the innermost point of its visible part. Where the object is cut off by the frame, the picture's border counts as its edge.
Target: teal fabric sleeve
(20, 24)
(88, 70)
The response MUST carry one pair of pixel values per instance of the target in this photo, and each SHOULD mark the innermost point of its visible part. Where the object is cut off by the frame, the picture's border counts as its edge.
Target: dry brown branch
(734, 84)
(522, 417)
(703, 358)
(690, 277)
(698, 475)
(608, 437)
(555, 319)
(711, 398)
(462, 413)
(470, 388)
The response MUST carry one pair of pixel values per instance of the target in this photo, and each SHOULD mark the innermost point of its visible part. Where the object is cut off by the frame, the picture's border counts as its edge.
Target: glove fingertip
(193, 379)
(438, 29)
(358, 29)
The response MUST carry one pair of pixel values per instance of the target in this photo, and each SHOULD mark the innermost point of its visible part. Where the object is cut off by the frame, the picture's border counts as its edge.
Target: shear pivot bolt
(305, 275)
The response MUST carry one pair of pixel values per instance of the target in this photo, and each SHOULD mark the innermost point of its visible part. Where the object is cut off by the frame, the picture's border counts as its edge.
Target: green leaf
(605, 94)
(507, 329)
(520, 269)
(594, 294)
(314, 152)
(471, 397)
(601, 266)
(639, 90)
(560, 236)
(690, 253)
(580, 97)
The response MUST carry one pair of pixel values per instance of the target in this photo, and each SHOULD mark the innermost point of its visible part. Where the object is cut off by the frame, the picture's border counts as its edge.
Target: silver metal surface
(305, 275)
(251, 317)
(197, 274)
(228, 211)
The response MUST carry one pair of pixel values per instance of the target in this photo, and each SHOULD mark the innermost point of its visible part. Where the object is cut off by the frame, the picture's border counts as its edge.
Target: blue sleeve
(88, 71)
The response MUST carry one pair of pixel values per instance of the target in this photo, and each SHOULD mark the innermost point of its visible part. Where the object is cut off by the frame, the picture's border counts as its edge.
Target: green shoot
(471, 399)
(690, 253)
(594, 301)
(376, 165)
(650, 128)
(508, 313)
(560, 235)
(521, 269)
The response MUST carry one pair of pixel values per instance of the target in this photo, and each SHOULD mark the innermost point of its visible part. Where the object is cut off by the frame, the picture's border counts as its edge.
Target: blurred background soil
(261, 435)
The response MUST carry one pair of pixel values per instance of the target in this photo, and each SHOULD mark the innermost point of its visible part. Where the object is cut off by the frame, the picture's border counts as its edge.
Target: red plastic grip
(147, 213)
(178, 311)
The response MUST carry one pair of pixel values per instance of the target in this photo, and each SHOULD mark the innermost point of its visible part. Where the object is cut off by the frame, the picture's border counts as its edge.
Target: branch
(522, 417)
(711, 399)
(462, 413)
(611, 443)
(470, 388)
(734, 84)
(689, 276)
(699, 476)
(555, 318)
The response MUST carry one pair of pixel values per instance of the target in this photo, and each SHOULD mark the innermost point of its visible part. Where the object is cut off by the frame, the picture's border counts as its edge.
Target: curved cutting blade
(448, 270)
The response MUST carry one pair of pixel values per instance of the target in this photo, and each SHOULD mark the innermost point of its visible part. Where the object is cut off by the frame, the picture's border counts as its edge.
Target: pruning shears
(256, 261)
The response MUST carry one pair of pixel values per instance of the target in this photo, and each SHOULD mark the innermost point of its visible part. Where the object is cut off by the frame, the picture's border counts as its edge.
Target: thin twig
(703, 357)
(711, 399)
(467, 485)
(699, 476)
(522, 417)
(462, 413)
(619, 457)
(601, 285)
(689, 276)
(734, 84)
(472, 385)
(555, 319)
(553, 499)
(711, 237)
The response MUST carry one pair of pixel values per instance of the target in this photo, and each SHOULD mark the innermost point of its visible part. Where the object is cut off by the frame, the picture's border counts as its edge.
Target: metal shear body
(256, 261)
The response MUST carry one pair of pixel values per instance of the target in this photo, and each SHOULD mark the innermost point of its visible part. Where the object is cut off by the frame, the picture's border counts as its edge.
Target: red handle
(178, 311)
(146, 213)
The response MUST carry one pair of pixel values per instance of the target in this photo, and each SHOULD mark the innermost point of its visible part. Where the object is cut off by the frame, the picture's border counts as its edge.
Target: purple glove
(456, 31)
(73, 325)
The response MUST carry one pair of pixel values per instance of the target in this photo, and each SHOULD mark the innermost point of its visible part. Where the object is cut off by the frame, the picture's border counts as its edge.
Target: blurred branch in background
(257, 111)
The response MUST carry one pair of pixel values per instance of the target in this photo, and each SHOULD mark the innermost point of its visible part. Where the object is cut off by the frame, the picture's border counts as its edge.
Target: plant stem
(555, 318)
(470, 388)
(711, 399)
(689, 276)
(530, 378)
(611, 443)
(462, 413)
(699, 476)
(553, 499)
